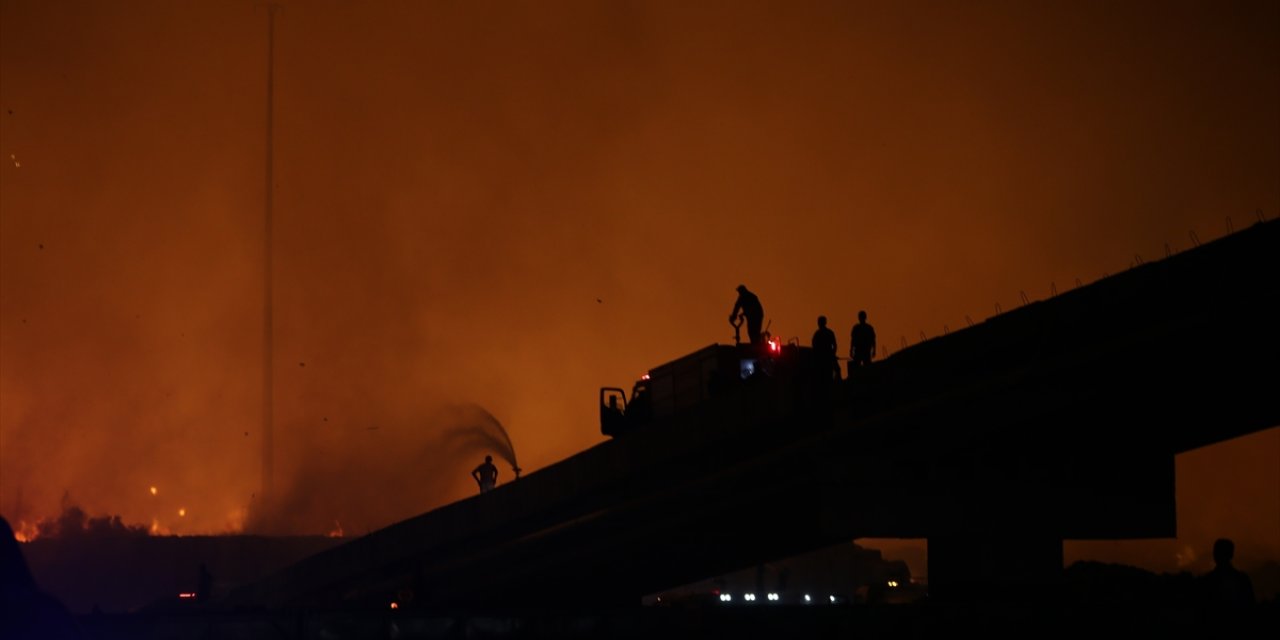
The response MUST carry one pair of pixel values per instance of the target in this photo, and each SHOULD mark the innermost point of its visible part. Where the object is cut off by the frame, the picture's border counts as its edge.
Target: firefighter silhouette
(748, 305)
(486, 475)
(862, 343)
(824, 348)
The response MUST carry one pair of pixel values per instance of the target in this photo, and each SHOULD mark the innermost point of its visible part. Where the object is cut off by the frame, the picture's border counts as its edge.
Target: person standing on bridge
(486, 475)
(862, 343)
(824, 349)
(748, 304)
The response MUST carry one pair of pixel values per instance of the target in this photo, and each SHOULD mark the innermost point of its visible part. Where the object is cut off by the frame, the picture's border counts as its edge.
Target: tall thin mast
(268, 377)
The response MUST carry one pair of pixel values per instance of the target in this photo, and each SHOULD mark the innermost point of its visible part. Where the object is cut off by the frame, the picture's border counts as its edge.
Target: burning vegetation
(73, 523)
(339, 485)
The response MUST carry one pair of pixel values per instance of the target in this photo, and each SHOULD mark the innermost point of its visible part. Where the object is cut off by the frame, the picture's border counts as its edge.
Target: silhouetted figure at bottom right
(1226, 585)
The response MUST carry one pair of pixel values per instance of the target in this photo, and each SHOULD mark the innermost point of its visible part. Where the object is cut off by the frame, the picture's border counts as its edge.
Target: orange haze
(511, 204)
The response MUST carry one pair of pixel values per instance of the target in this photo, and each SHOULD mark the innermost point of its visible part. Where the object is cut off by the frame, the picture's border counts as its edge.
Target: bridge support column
(1006, 567)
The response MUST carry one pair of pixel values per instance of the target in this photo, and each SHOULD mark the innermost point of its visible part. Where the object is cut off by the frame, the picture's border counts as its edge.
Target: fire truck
(682, 384)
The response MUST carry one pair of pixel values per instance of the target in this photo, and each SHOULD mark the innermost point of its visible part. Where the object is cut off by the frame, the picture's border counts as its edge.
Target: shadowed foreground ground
(885, 621)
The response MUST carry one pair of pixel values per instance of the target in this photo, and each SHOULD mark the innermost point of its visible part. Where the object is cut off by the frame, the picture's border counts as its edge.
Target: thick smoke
(518, 203)
(477, 430)
(74, 523)
(367, 476)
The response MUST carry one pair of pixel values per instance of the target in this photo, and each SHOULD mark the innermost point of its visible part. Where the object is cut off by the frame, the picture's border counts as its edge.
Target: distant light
(893, 583)
(833, 599)
(186, 594)
(750, 597)
(773, 596)
(395, 605)
(182, 513)
(807, 598)
(644, 377)
(153, 491)
(726, 597)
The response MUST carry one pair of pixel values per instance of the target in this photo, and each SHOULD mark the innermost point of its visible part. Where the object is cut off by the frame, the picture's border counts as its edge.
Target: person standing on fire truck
(862, 343)
(824, 347)
(749, 306)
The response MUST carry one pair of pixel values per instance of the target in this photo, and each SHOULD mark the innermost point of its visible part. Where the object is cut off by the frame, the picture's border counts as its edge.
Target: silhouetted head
(862, 316)
(488, 458)
(1223, 550)
(742, 288)
(822, 321)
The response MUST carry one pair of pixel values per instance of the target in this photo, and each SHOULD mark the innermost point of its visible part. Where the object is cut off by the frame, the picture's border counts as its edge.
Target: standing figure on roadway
(486, 475)
(824, 348)
(749, 306)
(862, 343)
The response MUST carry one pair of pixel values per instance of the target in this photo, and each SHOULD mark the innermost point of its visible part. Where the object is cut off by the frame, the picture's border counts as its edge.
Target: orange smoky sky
(507, 205)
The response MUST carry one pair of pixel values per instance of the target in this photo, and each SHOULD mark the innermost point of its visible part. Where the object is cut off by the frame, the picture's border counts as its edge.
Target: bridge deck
(1059, 419)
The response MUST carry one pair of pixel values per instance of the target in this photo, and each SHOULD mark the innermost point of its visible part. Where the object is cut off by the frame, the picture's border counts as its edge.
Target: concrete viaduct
(1056, 420)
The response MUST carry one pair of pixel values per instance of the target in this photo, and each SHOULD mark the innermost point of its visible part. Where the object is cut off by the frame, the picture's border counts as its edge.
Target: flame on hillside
(26, 531)
(74, 522)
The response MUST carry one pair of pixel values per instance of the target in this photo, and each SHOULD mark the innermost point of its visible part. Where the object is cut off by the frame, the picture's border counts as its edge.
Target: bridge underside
(1059, 420)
